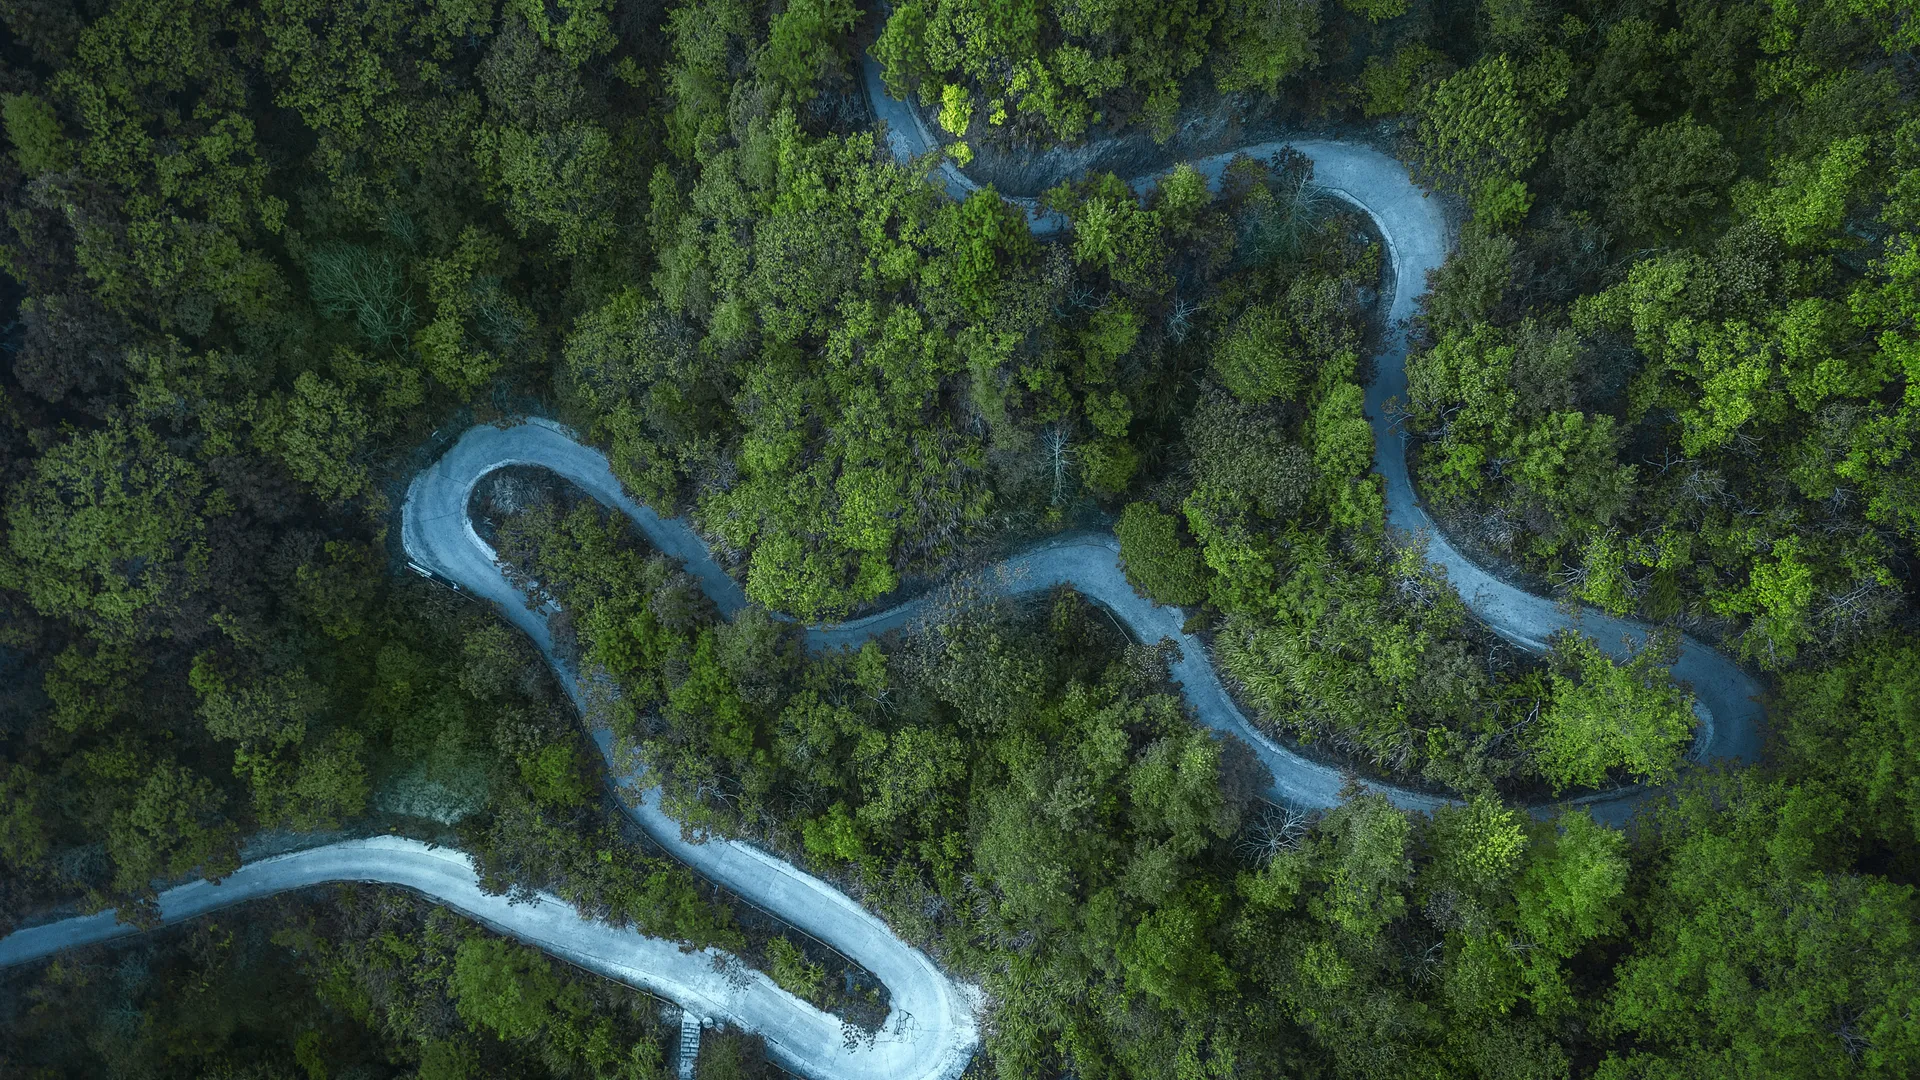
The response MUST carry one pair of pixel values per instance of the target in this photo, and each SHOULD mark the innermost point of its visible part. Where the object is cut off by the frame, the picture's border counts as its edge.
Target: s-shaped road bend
(1417, 239)
(933, 1027)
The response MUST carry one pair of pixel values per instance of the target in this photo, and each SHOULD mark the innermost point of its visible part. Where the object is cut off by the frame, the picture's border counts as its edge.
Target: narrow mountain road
(1417, 239)
(934, 1045)
(933, 1028)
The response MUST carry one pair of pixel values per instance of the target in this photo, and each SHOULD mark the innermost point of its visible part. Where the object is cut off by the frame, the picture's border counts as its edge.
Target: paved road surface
(923, 1047)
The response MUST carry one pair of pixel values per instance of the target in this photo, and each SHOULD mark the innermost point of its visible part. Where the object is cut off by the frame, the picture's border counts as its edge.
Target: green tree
(1675, 176)
(1755, 958)
(1855, 725)
(91, 690)
(173, 824)
(273, 710)
(833, 835)
(1606, 714)
(982, 236)
(477, 328)
(648, 391)
(1052, 71)
(1261, 44)
(503, 987)
(1352, 872)
(705, 37)
(1169, 956)
(1477, 847)
(1245, 457)
(909, 775)
(109, 530)
(1259, 359)
(1570, 892)
(1342, 456)
(338, 592)
(313, 787)
(1779, 593)
(1154, 558)
(556, 181)
(803, 43)
(1376, 10)
(1480, 136)
(322, 433)
(34, 129)
(446, 1059)
(581, 32)
(1395, 84)
(25, 832)
(553, 776)
(1809, 198)
(1568, 464)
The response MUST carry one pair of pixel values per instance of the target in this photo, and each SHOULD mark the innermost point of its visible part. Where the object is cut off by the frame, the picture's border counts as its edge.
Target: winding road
(933, 1027)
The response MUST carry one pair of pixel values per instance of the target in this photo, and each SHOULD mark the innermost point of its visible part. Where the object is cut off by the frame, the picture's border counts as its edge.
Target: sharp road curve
(933, 1028)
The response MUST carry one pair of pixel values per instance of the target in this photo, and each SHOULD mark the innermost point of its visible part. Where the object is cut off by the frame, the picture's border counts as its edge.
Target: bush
(1608, 715)
(1258, 360)
(1157, 563)
(791, 969)
(728, 1054)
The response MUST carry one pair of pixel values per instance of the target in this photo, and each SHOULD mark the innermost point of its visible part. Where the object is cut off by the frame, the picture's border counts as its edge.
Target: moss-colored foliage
(1479, 134)
(1342, 455)
(172, 825)
(1607, 714)
(793, 971)
(110, 531)
(503, 987)
(1854, 725)
(1052, 71)
(1262, 44)
(24, 831)
(1610, 428)
(826, 490)
(34, 130)
(1258, 360)
(1156, 561)
(803, 42)
(1749, 918)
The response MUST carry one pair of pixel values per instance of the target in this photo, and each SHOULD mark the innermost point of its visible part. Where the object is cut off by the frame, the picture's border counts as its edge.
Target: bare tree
(1180, 320)
(1276, 829)
(366, 285)
(1865, 605)
(1058, 448)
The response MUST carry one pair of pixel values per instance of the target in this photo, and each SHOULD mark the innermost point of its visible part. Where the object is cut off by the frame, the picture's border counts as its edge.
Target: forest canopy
(265, 259)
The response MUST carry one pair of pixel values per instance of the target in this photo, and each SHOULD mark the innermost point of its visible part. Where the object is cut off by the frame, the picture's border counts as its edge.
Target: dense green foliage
(229, 223)
(1151, 552)
(346, 981)
(1681, 385)
(268, 253)
(1050, 71)
(1605, 713)
(1015, 784)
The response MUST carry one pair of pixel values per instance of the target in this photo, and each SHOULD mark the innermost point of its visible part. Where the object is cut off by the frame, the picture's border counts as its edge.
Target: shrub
(1157, 563)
